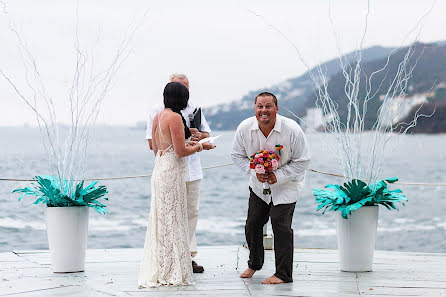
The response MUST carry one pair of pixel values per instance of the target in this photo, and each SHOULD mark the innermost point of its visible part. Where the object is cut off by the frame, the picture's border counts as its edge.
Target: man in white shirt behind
(263, 132)
(194, 173)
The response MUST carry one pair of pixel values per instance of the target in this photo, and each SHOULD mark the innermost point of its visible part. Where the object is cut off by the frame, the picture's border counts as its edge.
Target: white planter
(67, 229)
(356, 238)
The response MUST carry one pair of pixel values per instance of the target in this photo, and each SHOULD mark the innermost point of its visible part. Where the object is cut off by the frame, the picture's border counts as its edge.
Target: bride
(166, 258)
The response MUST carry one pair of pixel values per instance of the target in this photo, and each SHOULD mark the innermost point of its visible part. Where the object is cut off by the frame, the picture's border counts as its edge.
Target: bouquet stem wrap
(266, 189)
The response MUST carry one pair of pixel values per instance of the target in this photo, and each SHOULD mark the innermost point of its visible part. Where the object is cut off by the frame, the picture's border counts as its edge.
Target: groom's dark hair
(267, 94)
(176, 96)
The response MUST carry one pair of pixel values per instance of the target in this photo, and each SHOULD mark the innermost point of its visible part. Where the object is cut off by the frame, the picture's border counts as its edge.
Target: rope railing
(230, 164)
(398, 182)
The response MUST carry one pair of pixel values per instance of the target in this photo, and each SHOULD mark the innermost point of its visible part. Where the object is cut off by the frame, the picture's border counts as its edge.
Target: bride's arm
(154, 147)
(179, 144)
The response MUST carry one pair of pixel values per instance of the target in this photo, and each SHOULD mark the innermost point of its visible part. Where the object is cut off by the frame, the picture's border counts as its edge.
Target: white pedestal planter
(67, 229)
(356, 238)
(268, 239)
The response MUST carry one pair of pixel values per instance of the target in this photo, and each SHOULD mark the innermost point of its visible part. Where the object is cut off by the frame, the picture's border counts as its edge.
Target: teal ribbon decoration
(355, 194)
(48, 191)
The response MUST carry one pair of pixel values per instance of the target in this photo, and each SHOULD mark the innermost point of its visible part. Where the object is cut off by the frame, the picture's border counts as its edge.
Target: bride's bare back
(161, 131)
(168, 129)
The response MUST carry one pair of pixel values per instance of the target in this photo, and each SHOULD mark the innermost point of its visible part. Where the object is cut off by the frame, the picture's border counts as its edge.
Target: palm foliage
(355, 193)
(48, 191)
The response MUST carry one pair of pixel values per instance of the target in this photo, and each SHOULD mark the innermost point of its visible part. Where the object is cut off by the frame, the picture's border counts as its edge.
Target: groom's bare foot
(248, 273)
(272, 280)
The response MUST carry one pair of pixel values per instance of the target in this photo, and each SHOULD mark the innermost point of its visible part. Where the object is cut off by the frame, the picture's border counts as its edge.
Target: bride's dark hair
(176, 96)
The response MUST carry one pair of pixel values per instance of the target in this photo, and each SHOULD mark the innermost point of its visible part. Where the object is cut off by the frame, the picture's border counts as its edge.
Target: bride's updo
(176, 97)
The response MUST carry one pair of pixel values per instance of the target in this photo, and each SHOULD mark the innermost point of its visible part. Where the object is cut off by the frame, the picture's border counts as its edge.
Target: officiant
(269, 131)
(199, 129)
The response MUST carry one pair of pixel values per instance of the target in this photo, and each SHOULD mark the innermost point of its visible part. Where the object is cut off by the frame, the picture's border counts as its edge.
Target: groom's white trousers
(193, 194)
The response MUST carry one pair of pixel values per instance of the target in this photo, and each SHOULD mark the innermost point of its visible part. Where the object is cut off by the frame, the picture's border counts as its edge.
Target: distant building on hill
(314, 120)
(394, 109)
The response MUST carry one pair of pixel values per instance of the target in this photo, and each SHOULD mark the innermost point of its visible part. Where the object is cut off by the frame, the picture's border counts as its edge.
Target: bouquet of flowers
(263, 162)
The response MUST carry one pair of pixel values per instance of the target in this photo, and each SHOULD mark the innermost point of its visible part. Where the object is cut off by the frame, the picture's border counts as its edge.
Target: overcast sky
(223, 46)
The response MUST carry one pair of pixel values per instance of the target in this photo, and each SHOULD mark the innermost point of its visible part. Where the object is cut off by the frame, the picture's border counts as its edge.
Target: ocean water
(116, 151)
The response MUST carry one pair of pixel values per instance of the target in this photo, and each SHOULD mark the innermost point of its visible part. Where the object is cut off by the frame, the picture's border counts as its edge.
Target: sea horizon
(122, 151)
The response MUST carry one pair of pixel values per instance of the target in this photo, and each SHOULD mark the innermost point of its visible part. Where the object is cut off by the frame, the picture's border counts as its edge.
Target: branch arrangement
(89, 87)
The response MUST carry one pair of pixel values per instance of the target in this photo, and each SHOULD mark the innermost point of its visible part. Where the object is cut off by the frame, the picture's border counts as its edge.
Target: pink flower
(274, 164)
(260, 169)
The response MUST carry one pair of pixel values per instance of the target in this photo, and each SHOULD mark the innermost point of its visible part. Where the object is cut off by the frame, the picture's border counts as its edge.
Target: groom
(193, 170)
(263, 132)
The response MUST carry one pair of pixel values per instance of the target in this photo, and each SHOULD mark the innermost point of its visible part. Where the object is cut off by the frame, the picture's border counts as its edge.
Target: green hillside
(429, 72)
(297, 94)
(292, 94)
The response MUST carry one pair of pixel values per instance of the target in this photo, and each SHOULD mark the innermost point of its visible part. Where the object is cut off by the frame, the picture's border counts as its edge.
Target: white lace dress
(166, 259)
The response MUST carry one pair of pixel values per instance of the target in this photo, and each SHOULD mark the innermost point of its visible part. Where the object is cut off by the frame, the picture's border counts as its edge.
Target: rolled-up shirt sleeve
(238, 154)
(149, 126)
(299, 161)
(155, 109)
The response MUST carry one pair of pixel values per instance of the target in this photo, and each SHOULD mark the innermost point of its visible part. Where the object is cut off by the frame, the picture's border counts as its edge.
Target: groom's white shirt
(193, 168)
(294, 157)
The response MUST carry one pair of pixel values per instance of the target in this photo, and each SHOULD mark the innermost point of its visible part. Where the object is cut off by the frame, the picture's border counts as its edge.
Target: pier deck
(113, 272)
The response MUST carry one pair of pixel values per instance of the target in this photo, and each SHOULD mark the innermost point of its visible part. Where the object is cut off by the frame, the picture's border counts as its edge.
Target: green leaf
(55, 193)
(356, 190)
(355, 194)
(391, 180)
